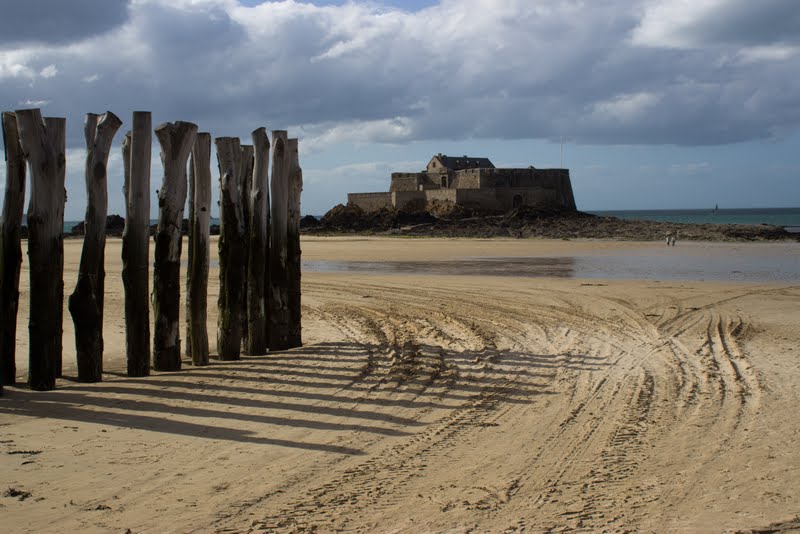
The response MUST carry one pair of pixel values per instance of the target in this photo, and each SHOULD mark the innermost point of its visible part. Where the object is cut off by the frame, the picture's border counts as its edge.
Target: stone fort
(473, 183)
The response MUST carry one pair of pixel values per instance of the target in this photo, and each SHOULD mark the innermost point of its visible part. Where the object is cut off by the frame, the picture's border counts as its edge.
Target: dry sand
(432, 403)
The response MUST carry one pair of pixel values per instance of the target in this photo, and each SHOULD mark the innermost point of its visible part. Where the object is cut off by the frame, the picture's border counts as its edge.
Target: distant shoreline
(532, 223)
(787, 219)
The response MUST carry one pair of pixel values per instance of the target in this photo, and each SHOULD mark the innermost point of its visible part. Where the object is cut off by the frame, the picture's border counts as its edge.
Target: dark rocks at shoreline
(309, 221)
(213, 229)
(115, 224)
(351, 218)
(529, 222)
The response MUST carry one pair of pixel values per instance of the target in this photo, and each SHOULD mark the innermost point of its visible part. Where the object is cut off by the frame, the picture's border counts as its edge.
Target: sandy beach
(436, 402)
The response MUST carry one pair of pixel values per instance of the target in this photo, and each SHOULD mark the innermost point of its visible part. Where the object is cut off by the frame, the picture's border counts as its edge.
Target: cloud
(48, 72)
(58, 22)
(690, 168)
(698, 23)
(689, 73)
(34, 103)
(396, 130)
(625, 107)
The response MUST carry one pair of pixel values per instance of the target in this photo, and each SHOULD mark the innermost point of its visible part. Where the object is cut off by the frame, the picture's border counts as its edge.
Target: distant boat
(716, 209)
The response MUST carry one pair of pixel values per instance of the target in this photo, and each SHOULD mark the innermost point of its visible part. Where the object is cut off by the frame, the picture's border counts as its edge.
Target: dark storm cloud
(720, 22)
(58, 21)
(599, 72)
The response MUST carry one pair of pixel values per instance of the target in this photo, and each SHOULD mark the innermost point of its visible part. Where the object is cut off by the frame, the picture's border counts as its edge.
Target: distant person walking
(671, 238)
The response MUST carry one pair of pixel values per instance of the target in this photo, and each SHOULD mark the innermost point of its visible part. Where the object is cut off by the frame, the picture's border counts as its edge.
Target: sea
(788, 218)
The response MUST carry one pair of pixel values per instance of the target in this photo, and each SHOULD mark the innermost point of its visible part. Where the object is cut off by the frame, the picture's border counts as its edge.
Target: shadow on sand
(336, 387)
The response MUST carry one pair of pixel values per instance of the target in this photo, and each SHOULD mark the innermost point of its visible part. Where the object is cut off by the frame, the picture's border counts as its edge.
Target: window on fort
(517, 202)
(444, 181)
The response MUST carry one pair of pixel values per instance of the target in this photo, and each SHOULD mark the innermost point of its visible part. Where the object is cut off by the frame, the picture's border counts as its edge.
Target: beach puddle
(560, 267)
(677, 266)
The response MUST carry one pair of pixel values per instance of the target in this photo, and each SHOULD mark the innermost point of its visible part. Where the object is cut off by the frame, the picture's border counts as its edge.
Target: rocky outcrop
(114, 226)
(441, 220)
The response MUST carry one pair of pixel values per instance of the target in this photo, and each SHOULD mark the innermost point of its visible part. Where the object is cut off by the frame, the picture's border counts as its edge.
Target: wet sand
(435, 402)
(638, 261)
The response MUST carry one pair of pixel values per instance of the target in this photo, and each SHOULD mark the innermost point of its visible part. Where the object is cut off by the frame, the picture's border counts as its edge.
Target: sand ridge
(435, 403)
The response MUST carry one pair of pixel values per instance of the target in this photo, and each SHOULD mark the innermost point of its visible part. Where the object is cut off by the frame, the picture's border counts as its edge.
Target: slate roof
(464, 162)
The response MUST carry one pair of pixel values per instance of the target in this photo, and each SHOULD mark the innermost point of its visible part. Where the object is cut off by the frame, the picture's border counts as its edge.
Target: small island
(472, 183)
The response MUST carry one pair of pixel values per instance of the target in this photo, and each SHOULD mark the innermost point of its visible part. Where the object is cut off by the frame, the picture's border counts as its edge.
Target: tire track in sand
(624, 387)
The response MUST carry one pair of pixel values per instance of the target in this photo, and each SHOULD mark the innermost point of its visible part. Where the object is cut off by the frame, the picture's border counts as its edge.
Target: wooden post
(189, 254)
(136, 244)
(13, 206)
(267, 250)
(86, 302)
(293, 247)
(198, 266)
(278, 297)
(176, 141)
(258, 242)
(245, 184)
(43, 143)
(232, 270)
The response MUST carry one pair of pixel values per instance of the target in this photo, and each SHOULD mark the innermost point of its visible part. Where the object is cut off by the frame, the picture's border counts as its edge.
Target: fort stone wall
(482, 199)
(406, 181)
(539, 197)
(402, 199)
(443, 195)
(466, 179)
(370, 202)
(540, 187)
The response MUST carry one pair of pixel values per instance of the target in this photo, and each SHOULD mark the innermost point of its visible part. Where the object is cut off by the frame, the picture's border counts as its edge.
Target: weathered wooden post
(258, 242)
(245, 184)
(10, 225)
(293, 247)
(136, 151)
(189, 253)
(43, 144)
(176, 141)
(231, 249)
(86, 302)
(197, 281)
(278, 315)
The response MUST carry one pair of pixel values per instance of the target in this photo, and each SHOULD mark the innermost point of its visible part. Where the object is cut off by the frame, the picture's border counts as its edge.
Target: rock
(443, 219)
(309, 221)
(115, 224)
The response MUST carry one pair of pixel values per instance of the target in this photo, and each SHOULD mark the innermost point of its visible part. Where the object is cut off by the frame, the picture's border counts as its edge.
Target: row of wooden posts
(259, 245)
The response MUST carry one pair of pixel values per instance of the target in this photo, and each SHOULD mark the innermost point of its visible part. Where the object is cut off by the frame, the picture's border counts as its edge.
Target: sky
(651, 104)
